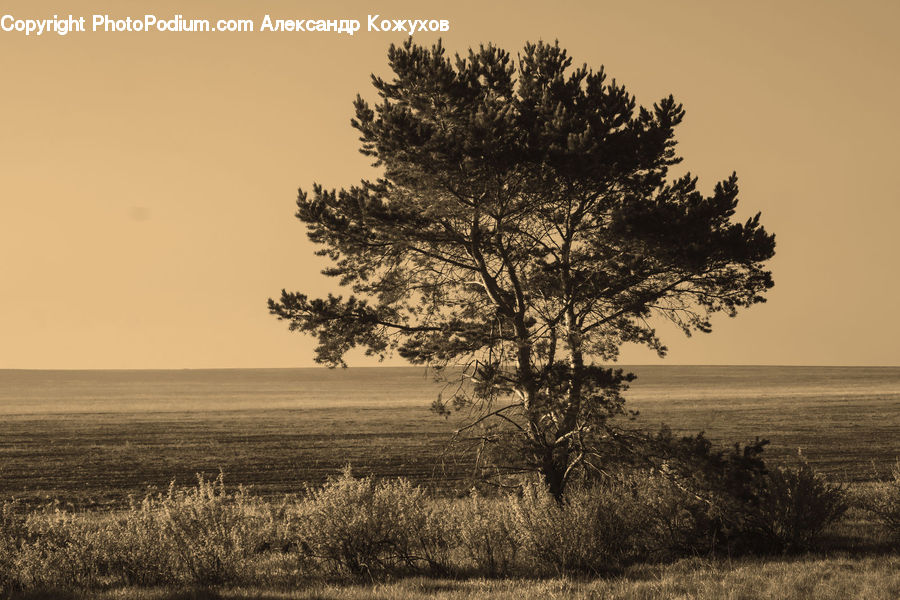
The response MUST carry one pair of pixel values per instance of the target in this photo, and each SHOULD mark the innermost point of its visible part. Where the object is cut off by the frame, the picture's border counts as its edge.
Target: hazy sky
(147, 181)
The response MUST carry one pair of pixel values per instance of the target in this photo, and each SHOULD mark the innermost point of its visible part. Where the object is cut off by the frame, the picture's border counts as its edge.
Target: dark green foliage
(524, 225)
(736, 503)
(797, 504)
(710, 494)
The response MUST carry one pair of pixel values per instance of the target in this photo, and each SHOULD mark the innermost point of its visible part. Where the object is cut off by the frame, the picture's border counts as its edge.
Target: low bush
(882, 501)
(12, 527)
(200, 535)
(207, 535)
(596, 528)
(360, 526)
(706, 497)
(145, 554)
(211, 533)
(795, 505)
(484, 533)
(682, 519)
(731, 501)
(58, 550)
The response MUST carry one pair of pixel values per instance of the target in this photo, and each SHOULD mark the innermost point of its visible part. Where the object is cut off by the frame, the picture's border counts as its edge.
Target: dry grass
(358, 529)
(96, 460)
(801, 578)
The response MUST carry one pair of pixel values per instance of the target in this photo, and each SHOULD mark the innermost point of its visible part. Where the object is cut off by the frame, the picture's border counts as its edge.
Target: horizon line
(824, 366)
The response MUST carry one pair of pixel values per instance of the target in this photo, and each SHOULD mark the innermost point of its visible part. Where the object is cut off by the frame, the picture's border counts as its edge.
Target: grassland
(797, 578)
(89, 456)
(837, 578)
(98, 459)
(358, 538)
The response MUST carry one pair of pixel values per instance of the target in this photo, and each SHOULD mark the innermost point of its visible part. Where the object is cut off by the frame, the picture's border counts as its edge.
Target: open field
(93, 438)
(95, 460)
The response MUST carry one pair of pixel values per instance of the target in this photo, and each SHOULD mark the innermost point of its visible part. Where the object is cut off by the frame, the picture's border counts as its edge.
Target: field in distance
(92, 438)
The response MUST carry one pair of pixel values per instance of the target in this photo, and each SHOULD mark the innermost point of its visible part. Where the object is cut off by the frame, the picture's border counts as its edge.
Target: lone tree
(524, 228)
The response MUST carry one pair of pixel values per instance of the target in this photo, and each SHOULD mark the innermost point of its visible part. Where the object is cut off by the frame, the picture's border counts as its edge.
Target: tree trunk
(553, 470)
(556, 462)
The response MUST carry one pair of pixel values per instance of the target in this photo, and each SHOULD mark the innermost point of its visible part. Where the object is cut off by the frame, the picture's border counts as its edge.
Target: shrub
(207, 535)
(361, 526)
(796, 505)
(707, 497)
(200, 535)
(144, 552)
(731, 500)
(212, 533)
(882, 501)
(484, 533)
(56, 550)
(595, 529)
(12, 526)
(682, 520)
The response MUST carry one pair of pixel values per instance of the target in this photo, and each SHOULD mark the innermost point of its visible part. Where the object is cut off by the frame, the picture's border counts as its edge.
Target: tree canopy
(524, 226)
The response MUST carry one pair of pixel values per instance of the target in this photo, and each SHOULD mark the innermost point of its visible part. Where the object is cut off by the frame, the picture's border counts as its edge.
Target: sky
(148, 180)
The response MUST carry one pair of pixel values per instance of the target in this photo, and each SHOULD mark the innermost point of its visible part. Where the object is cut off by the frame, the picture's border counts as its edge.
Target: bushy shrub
(57, 549)
(12, 526)
(796, 504)
(211, 533)
(483, 531)
(693, 502)
(599, 527)
(682, 521)
(199, 535)
(363, 526)
(882, 501)
(730, 500)
(708, 496)
(594, 529)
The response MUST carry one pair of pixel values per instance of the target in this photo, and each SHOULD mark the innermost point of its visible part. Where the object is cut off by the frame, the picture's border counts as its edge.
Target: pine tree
(525, 227)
